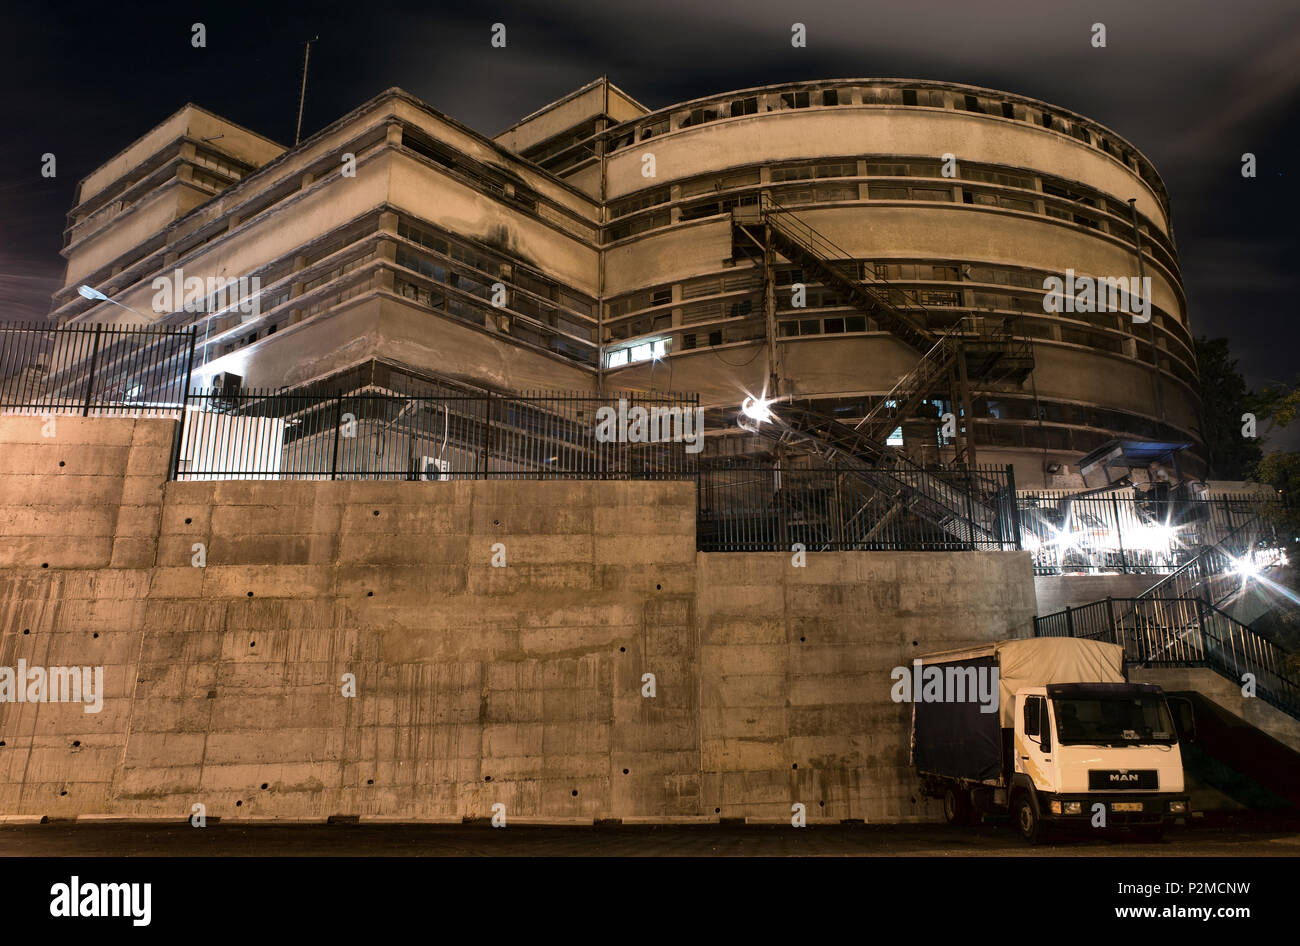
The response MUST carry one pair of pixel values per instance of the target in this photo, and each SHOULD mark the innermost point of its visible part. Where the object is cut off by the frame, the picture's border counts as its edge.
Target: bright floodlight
(1245, 566)
(756, 408)
(89, 293)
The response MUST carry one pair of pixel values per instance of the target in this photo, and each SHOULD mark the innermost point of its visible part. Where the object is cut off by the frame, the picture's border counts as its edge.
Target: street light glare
(756, 408)
(88, 293)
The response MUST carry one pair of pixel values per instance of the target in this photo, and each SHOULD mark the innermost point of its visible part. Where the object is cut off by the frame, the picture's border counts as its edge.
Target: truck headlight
(1074, 807)
(1056, 807)
(1178, 807)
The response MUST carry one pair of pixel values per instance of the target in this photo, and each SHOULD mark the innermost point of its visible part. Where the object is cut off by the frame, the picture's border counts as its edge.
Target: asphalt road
(227, 840)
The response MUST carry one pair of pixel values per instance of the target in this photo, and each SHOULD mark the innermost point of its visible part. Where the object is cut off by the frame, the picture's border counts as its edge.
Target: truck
(1070, 743)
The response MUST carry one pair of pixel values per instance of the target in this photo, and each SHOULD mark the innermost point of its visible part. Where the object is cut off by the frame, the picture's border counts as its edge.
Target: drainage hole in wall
(622, 650)
(496, 522)
(821, 804)
(61, 463)
(625, 771)
(802, 639)
(250, 594)
(370, 594)
(45, 564)
(717, 811)
(238, 803)
(95, 634)
(916, 643)
(252, 643)
(575, 793)
(188, 520)
(376, 512)
(659, 587)
(370, 781)
(487, 778)
(27, 630)
(795, 766)
(2, 743)
(76, 743)
(265, 786)
(64, 792)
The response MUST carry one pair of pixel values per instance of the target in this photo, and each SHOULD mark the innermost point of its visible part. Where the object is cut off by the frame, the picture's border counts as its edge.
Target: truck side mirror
(1045, 726)
(1184, 718)
(1031, 714)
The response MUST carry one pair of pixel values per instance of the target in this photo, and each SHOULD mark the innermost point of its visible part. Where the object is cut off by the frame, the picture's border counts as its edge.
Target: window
(1033, 711)
(831, 97)
(747, 106)
(662, 296)
(700, 116)
(640, 202)
(909, 96)
(973, 104)
(794, 99)
(1008, 110)
(1046, 120)
(804, 173)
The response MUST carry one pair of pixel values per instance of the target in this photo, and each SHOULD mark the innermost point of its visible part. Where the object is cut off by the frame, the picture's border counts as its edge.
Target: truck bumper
(1134, 810)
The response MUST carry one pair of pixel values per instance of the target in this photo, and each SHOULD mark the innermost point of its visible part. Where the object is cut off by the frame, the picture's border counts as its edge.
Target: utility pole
(302, 96)
(1151, 322)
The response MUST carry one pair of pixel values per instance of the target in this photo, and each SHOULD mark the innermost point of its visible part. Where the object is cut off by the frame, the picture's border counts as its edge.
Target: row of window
(816, 296)
(650, 127)
(1086, 205)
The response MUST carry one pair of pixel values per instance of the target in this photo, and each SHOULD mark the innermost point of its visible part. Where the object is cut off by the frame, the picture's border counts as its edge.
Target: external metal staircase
(972, 508)
(1180, 622)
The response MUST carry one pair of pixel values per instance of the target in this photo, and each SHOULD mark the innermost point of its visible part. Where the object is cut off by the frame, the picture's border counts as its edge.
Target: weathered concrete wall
(795, 669)
(475, 685)
(1058, 592)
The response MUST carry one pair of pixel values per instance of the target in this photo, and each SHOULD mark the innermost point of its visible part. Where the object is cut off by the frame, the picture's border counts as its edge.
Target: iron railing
(1130, 533)
(382, 435)
(748, 506)
(1183, 632)
(94, 369)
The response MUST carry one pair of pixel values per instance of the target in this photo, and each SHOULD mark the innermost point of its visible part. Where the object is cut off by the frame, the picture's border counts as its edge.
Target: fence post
(1015, 506)
(487, 434)
(185, 403)
(338, 424)
(90, 373)
(1110, 617)
(1119, 537)
(1069, 621)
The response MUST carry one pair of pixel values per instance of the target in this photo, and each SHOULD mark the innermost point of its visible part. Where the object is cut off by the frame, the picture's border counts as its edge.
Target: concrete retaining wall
(475, 685)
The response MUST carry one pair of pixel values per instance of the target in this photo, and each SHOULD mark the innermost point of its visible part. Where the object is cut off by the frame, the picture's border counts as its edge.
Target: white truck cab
(1095, 755)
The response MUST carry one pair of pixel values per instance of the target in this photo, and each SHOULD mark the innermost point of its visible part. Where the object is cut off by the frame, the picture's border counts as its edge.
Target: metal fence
(93, 369)
(382, 435)
(1130, 532)
(1182, 632)
(747, 506)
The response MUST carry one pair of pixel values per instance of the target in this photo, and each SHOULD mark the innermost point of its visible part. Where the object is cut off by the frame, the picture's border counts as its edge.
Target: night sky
(1192, 84)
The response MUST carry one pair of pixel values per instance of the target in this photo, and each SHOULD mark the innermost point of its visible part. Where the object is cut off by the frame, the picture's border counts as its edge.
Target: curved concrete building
(598, 243)
(1029, 191)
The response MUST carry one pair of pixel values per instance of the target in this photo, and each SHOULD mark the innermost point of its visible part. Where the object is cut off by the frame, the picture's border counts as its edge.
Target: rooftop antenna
(302, 96)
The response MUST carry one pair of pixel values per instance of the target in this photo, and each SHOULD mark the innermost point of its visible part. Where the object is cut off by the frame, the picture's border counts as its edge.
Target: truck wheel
(956, 805)
(1027, 821)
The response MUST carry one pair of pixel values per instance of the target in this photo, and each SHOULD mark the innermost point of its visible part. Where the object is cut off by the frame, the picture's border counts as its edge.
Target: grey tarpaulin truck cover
(958, 740)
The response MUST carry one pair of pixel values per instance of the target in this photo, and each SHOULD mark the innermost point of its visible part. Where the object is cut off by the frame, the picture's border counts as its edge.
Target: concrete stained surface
(396, 840)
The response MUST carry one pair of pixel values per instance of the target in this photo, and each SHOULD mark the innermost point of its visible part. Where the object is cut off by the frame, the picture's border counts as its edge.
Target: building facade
(598, 244)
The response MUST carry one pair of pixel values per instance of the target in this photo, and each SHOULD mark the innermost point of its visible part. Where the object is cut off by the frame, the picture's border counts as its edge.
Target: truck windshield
(1112, 721)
